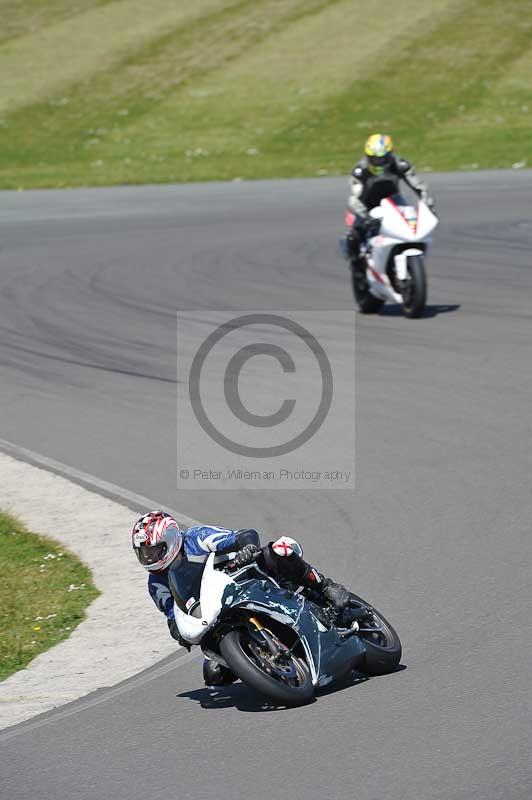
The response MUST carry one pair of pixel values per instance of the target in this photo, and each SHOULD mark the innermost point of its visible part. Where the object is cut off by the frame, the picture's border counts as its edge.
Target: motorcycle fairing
(328, 656)
(192, 628)
(405, 231)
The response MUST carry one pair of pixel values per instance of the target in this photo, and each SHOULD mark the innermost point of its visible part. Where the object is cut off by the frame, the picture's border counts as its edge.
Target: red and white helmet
(156, 540)
(285, 546)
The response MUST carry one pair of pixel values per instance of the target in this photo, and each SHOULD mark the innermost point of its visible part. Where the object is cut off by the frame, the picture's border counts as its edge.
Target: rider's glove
(245, 556)
(335, 593)
(174, 633)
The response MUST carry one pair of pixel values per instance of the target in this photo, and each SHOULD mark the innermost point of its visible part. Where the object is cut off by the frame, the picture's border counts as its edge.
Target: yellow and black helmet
(378, 150)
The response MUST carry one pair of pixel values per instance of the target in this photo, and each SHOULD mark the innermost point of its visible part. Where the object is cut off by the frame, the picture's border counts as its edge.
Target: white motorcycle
(394, 258)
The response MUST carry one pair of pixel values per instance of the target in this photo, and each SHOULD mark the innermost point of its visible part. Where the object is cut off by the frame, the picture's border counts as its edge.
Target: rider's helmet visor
(379, 161)
(151, 554)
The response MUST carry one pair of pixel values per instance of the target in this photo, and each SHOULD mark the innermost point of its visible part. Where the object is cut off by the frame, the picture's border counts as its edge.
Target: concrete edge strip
(136, 502)
(47, 711)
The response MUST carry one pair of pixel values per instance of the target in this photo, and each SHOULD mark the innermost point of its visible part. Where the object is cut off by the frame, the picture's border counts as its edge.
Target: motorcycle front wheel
(284, 680)
(383, 646)
(415, 287)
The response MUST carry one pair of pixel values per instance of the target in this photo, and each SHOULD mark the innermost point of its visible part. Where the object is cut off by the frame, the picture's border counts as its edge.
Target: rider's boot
(348, 616)
(352, 245)
(358, 265)
(216, 674)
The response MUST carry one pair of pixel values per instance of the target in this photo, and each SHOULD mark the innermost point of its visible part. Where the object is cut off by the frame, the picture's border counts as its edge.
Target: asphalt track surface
(436, 534)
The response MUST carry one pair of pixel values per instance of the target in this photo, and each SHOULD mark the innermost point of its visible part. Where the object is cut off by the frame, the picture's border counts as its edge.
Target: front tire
(288, 685)
(415, 287)
(383, 646)
(366, 302)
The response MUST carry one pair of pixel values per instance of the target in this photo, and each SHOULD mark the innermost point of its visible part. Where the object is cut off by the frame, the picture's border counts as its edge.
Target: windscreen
(399, 199)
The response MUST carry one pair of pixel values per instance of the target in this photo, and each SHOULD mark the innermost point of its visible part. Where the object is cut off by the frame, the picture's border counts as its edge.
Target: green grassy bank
(128, 92)
(44, 591)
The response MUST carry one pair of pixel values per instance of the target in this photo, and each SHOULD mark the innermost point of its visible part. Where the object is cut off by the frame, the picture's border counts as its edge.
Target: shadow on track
(234, 696)
(429, 312)
(241, 697)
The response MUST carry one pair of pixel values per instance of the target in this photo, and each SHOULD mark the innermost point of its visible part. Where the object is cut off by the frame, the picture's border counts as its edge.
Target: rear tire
(383, 648)
(415, 292)
(236, 648)
(366, 302)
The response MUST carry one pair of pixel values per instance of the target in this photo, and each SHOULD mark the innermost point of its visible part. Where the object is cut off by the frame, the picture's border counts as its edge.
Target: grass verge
(274, 88)
(44, 591)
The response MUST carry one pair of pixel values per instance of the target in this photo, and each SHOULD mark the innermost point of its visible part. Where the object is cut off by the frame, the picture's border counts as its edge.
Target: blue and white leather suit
(198, 542)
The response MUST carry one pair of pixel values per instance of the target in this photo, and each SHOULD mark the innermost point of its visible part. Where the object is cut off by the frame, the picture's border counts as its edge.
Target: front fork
(274, 645)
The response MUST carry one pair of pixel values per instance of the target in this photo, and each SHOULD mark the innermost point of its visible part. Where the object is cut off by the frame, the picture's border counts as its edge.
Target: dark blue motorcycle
(278, 641)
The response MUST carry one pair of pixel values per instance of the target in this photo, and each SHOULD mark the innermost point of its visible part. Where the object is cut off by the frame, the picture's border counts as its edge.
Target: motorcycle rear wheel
(383, 646)
(415, 291)
(287, 685)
